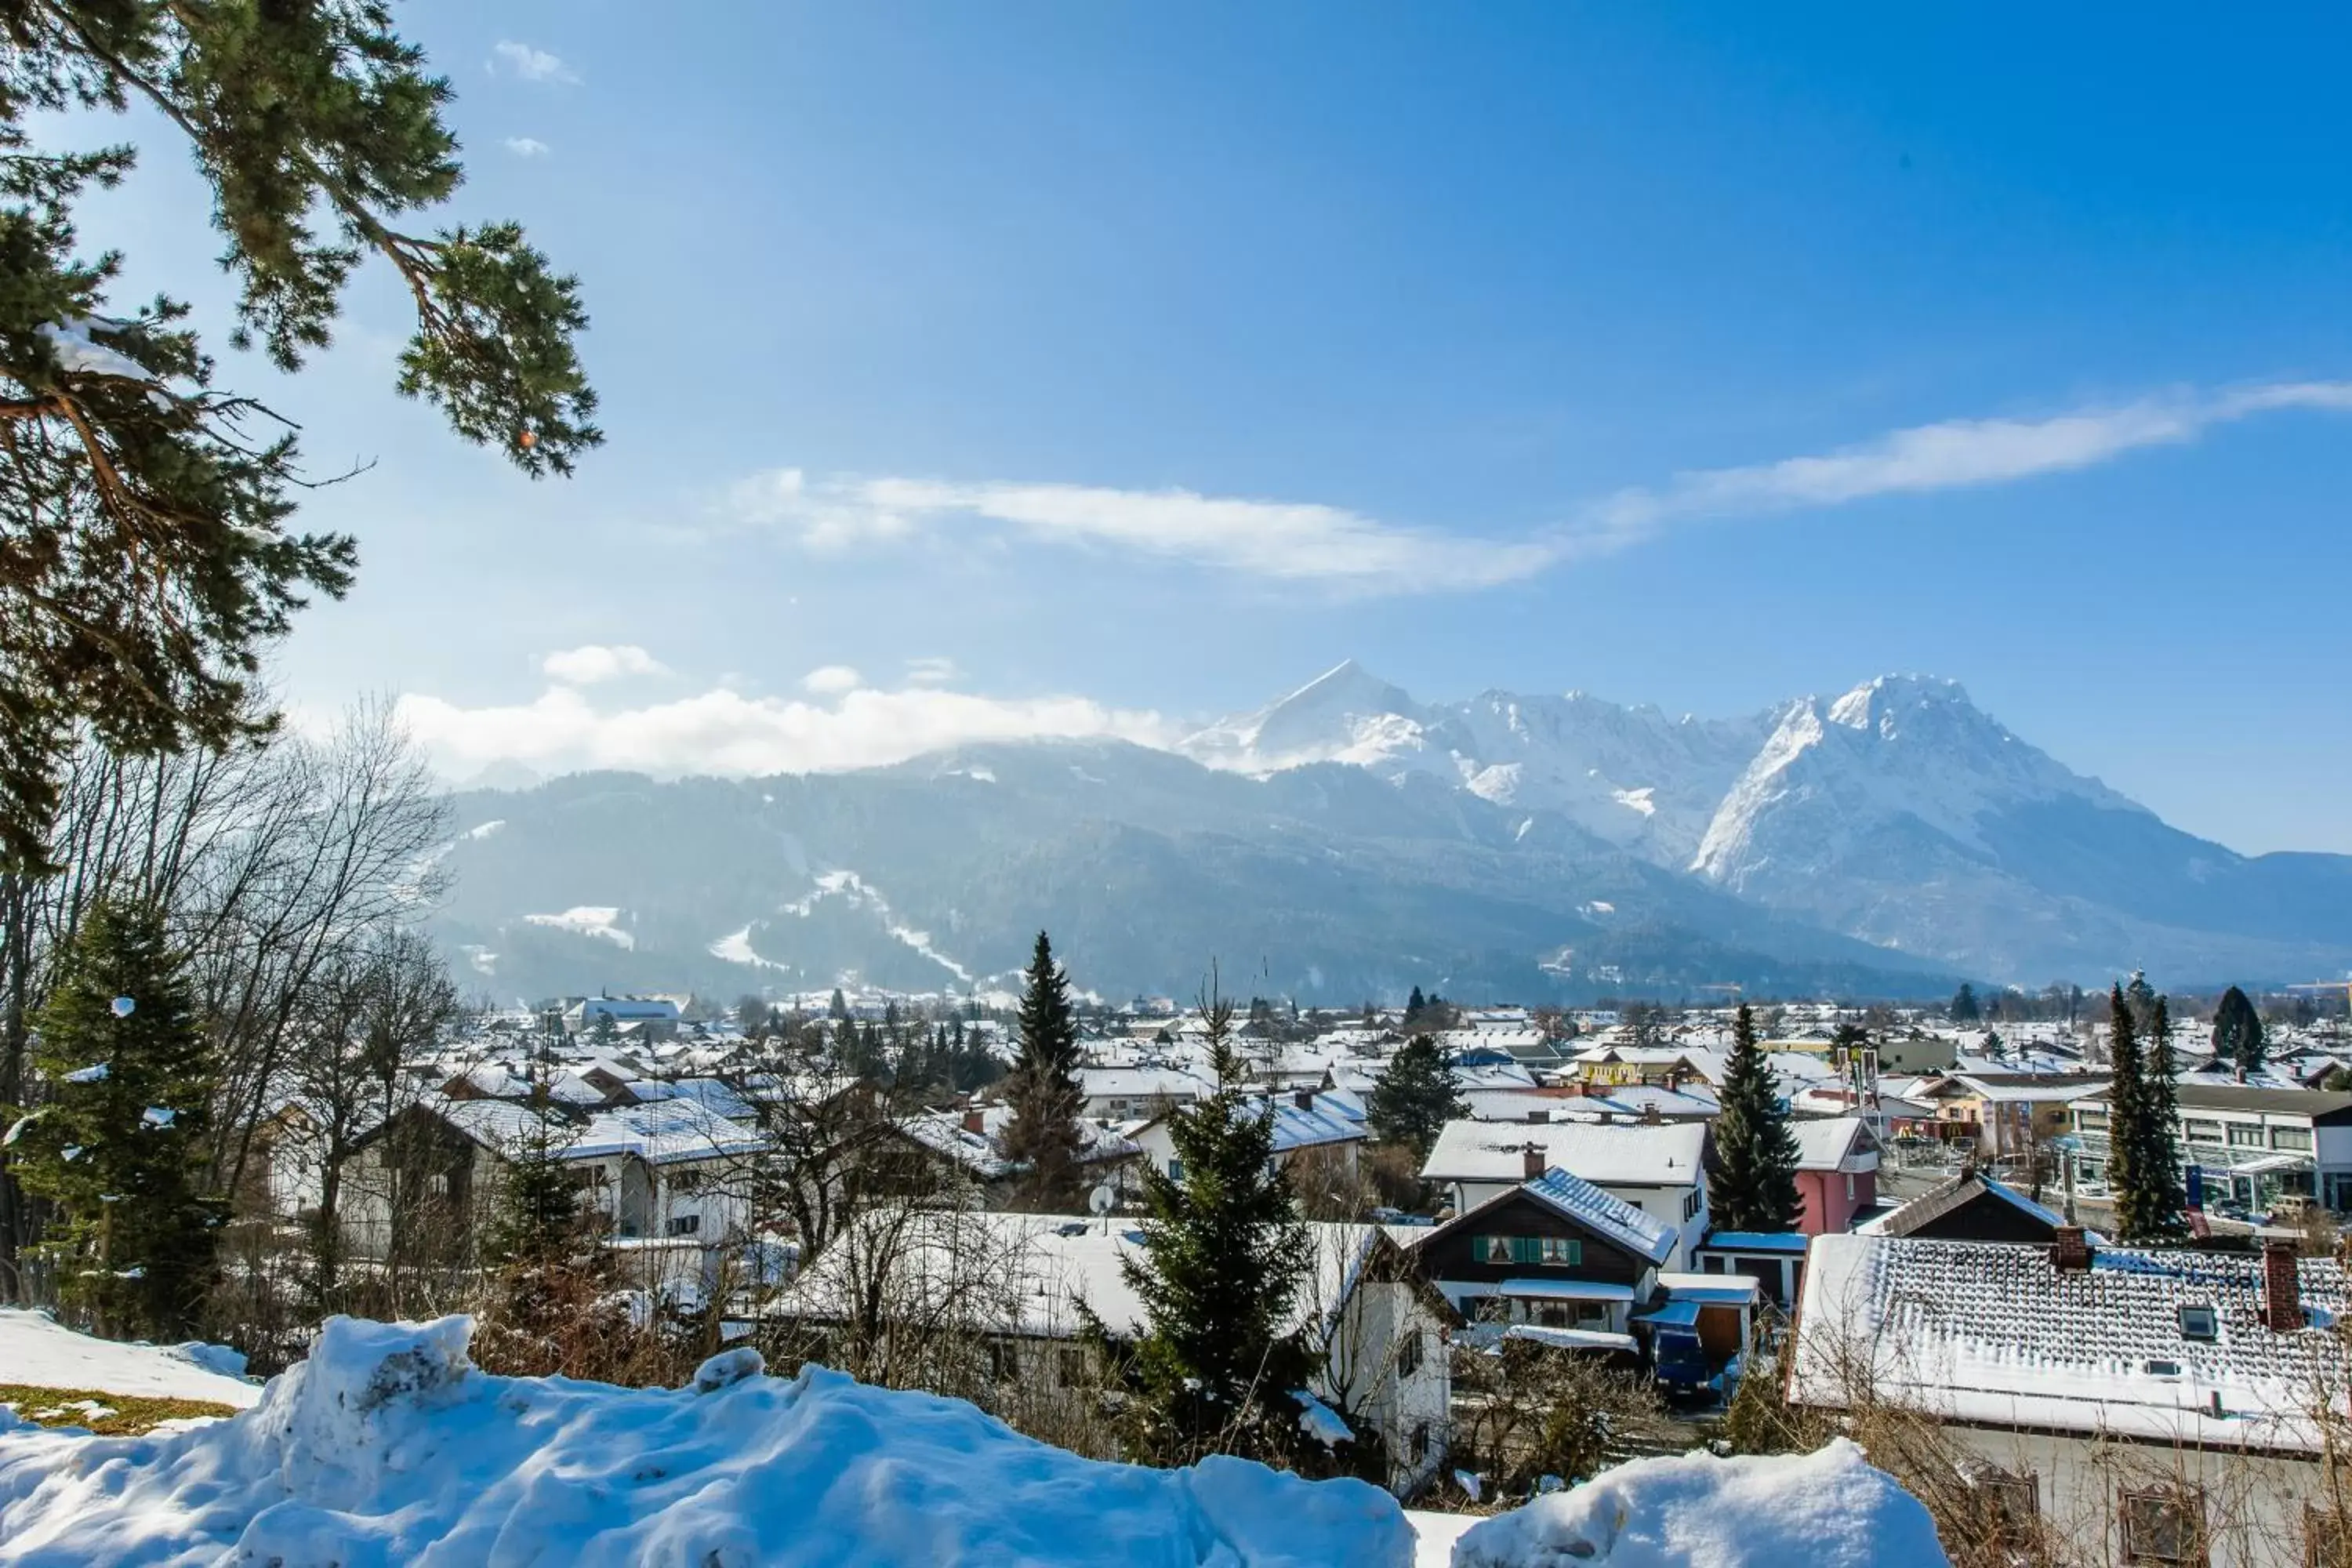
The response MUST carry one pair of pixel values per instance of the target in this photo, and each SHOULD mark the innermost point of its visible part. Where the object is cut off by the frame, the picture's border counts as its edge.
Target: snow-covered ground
(34, 1349)
(387, 1448)
(1827, 1510)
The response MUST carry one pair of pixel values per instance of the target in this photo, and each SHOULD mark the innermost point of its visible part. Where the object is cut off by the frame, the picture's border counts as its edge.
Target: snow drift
(388, 1447)
(37, 1349)
(1825, 1510)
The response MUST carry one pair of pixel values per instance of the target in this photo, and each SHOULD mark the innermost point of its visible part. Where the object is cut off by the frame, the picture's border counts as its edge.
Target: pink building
(1837, 1172)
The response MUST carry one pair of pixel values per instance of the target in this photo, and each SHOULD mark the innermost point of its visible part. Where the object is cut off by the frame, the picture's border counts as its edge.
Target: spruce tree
(2159, 1163)
(1223, 1260)
(1043, 1135)
(2238, 1040)
(1415, 1098)
(1753, 1181)
(1965, 1009)
(119, 1146)
(2127, 1118)
(1414, 1007)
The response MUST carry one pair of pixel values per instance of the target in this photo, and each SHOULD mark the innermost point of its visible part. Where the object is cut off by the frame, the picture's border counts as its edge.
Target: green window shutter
(1575, 1254)
(1526, 1249)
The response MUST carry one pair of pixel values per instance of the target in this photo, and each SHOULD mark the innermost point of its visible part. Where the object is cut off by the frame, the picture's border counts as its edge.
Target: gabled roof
(661, 1132)
(1996, 1335)
(1579, 1202)
(1826, 1145)
(1666, 1154)
(1955, 1192)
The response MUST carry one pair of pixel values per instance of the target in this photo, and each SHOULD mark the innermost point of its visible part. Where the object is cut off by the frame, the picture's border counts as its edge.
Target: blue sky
(1076, 367)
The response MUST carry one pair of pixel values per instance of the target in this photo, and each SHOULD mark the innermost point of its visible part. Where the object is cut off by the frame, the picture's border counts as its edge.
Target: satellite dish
(1101, 1200)
(124, 1006)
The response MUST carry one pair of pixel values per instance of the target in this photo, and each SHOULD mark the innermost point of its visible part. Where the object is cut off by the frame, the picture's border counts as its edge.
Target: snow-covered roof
(1143, 1083)
(661, 1132)
(982, 1153)
(1833, 1144)
(1949, 1193)
(1028, 1274)
(1635, 1154)
(1996, 1334)
(1636, 1230)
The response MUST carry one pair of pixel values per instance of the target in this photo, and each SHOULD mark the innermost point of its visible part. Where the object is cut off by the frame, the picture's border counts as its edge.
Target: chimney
(1304, 1099)
(2282, 1288)
(1531, 1162)
(1650, 1114)
(1673, 1081)
(2070, 1250)
(1539, 1114)
(975, 1122)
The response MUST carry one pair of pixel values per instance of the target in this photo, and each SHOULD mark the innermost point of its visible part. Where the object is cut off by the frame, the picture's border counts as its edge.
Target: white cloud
(1286, 540)
(831, 681)
(1953, 455)
(528, 147)
(1304, 541)
(529, 64)
(595, 662)
(723, 731)
(932, 670)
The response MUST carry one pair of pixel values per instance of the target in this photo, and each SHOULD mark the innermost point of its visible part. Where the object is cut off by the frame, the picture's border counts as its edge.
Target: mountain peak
(1876, 702)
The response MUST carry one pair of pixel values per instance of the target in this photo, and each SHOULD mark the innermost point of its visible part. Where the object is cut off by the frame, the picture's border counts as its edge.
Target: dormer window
(2199, 1322)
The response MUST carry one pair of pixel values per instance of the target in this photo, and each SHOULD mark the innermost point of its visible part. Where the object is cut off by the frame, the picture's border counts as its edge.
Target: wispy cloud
(528, 147)
(1953, 455)
(831, 681)
(728, 732)
(598, 662)
(1309, 542)
(931, 670)
(1285, 541)
(529, 64)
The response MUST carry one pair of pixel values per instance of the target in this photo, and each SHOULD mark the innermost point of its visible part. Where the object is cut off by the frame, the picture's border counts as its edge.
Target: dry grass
(128, 1415)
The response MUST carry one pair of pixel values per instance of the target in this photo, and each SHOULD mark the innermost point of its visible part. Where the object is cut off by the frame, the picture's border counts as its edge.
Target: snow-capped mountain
(1350, 840)
(1632, 776)
(1898, 812)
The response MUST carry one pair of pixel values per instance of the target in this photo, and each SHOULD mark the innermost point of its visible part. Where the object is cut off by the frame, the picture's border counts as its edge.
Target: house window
(685, 1224)
(2010, 1504)
(1690, 1204)
(1175, 1169)
(1418, 1443)
(2244, 1137)
(2090, 1120)
(687, 1181)
(1408, 1356)
(1001, 1361)
(2202, 1131)
(2291, 1138)
(1070, 1363)
(1849, 1186)
(1560, 1252)
(2199, 1322)
(2164, 1524)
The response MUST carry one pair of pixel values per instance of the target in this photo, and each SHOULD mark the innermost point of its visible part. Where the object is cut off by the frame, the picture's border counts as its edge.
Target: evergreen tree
(1415, 1098)
(1225, 1259)
(2159, 1163)
(119, 1146)
(1414, 1007)
(1964, 1005)
(838, 1008)
(1043, 1087)
(148, 562)
(2127, 1118)
(1753, 1183)
(2141, 997)
(2238, 1032)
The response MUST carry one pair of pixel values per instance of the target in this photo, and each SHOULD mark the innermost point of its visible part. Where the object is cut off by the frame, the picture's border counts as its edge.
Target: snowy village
(674, 890)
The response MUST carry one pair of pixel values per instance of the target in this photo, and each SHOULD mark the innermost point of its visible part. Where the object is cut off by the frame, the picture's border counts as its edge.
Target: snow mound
(36, 1349)
(387, 1447)
(1824, 1510)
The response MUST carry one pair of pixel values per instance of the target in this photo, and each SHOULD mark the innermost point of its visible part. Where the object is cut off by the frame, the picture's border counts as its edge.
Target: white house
(1304, 1123)
(1658, 1167)
(1018, 1280)
(2174, 1404)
